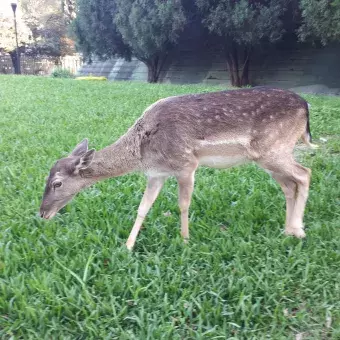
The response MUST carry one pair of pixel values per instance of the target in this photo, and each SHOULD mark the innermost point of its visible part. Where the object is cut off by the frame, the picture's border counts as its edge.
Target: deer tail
(307, 136)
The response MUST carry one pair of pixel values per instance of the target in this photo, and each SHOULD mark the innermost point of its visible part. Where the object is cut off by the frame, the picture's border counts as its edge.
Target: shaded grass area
(239, 277)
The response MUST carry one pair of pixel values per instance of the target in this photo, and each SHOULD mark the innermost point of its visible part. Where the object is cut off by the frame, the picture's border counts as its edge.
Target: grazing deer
(177, 134)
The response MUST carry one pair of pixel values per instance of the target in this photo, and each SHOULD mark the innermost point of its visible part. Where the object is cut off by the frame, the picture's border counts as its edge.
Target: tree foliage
(145, 29)
(96, 32)
(242, 25)
(150, 28)
(48, 25)
(320, 20)
(69, 10)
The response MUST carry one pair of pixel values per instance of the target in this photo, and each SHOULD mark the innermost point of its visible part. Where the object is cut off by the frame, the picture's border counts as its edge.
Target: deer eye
(57, 185)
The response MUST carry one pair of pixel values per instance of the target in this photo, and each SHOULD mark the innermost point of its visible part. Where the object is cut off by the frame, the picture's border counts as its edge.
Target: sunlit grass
(239, 277)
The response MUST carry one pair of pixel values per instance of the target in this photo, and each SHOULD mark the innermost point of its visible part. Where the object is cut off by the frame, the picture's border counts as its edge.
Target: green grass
(239, 277)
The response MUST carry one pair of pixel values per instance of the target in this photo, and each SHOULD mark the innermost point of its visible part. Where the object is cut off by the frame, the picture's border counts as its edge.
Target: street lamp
(14, 8)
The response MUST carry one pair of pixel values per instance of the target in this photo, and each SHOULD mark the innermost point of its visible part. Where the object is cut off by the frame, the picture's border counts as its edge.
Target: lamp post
(14, 8)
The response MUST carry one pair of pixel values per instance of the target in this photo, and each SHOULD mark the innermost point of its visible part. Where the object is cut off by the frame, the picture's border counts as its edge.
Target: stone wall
(283, 66)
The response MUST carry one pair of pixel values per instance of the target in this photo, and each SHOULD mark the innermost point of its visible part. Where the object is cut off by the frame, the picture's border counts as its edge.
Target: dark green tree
(150, 28)
(95, 31)
(243, 25)
(145, 29)
(320, 20)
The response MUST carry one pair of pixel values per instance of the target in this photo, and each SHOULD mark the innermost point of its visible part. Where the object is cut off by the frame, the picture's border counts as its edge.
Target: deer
(176, 135)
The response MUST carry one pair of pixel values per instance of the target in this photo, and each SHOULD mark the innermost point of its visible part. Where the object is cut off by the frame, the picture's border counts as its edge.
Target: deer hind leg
(153, 188)
(294, 180)
(302, 177)
(185, 189)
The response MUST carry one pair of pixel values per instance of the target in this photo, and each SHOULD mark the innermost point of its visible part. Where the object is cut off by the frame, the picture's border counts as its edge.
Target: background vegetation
(42, 27)
(150, 29)
(240, 277)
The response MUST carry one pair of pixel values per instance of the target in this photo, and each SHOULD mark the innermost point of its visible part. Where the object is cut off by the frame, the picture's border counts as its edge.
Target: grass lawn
(239, 277)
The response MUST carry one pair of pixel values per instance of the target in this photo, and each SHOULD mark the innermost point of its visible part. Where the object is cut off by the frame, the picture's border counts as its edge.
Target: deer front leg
(289, 188)
(153, 188)
(186, 187)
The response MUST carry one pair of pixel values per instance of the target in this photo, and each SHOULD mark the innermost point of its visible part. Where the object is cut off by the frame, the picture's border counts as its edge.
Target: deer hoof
(129, 246)
(297, 232)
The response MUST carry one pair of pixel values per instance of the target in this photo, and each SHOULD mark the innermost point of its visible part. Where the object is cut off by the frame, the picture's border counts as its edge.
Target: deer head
(65, 180)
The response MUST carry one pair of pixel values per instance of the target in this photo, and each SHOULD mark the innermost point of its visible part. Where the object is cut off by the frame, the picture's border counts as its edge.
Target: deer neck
(115, 160)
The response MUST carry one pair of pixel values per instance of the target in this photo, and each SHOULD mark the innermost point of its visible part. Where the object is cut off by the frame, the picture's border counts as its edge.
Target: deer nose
(42, 213)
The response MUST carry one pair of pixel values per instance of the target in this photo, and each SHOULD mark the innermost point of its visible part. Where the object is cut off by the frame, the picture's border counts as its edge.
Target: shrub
(62, 73)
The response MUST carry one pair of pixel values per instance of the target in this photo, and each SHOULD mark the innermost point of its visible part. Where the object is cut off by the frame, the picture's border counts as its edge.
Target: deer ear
(81, 148)
(85, 160)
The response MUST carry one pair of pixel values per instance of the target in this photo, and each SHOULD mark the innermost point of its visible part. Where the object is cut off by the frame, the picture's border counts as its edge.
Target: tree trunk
(245, 70)
(232, 61)
(238, 78)
(152, 73)
(155, 66)
(15, 57)
(233, 71)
